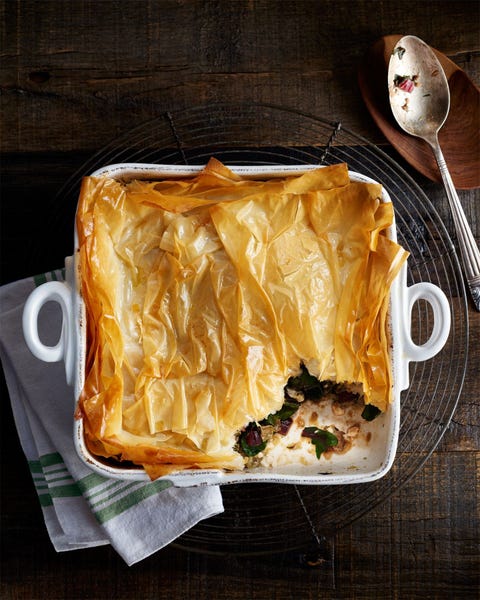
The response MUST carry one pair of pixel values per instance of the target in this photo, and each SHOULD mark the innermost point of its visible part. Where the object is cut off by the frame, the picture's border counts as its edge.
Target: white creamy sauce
(294, 449)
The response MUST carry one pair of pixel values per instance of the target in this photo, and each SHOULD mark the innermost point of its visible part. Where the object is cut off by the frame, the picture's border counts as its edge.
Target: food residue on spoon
(406, 83)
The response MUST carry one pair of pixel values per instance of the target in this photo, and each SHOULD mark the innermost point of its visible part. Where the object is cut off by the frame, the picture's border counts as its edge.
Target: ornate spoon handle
(468, 247)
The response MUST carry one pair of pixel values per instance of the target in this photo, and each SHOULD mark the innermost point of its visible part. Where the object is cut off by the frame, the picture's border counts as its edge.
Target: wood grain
(72, 78)
(75, 75)
(460, 135)
(411, 545)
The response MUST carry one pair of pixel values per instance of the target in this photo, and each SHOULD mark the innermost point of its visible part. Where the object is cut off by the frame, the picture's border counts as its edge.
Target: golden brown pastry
(204, 295)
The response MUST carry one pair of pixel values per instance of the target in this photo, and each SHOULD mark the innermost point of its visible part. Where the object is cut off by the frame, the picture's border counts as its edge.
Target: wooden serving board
(460, 135)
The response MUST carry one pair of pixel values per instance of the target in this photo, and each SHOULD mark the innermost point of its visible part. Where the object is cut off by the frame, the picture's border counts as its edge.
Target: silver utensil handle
(468, 246)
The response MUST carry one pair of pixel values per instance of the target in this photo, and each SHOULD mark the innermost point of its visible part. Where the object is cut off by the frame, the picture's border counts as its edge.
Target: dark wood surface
(462, 122)
(74, 75)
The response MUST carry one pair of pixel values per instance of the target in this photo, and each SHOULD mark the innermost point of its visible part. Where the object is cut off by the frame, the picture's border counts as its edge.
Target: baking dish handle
(441, 322)
(52, 291)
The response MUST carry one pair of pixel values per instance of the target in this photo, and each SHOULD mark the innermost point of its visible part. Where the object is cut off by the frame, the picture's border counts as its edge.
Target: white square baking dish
(362, 463)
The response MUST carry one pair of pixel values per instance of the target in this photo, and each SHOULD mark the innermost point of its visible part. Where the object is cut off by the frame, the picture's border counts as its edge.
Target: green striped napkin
(81, 508)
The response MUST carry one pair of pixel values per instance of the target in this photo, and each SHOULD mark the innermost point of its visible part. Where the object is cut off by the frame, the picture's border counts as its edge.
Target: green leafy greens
(308, 385)
(321, 439)
(370, 412)
(251, 441)
(288, 409)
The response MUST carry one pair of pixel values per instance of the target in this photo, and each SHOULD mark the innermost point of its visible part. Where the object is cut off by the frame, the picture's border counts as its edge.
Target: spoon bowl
(460, 135)
(420, 102)
(418, 88)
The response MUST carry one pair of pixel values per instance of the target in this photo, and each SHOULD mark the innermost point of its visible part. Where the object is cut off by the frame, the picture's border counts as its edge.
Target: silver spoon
(420, 102)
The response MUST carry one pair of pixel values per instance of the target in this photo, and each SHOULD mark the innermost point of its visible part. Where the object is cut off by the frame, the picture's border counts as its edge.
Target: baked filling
(206, 296)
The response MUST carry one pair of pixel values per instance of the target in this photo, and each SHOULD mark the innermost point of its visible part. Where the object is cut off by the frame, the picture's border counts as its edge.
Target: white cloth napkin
(81, 508)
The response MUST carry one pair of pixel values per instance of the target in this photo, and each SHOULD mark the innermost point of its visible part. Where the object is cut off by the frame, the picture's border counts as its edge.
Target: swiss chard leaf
(321, 439)
(288, 409)
(308, 385)
(251, 450)
(370, 412)
(251, 441)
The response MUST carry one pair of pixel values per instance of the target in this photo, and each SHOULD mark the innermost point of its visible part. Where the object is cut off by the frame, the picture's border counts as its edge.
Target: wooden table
(74, 75)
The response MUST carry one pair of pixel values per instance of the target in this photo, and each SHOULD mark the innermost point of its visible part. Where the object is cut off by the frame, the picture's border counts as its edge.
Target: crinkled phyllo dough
(204, 295)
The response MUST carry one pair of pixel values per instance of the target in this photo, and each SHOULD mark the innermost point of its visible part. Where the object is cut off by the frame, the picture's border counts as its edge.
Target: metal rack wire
(270, 518)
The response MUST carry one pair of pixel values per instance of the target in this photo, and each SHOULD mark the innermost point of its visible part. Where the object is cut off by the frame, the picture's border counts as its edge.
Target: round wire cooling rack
(269, 518)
